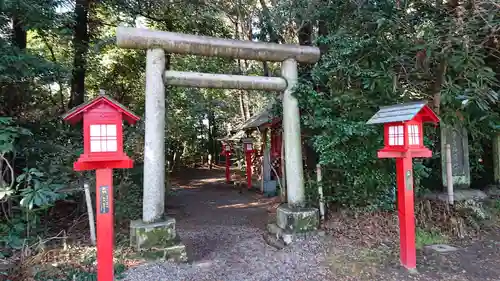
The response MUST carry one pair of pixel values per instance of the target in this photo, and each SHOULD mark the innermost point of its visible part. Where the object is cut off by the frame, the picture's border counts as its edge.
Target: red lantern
(102, 133)
(403, 130)
(403, 140)
(102, 151)
(248, 145)
(227, 154)
(248, 148)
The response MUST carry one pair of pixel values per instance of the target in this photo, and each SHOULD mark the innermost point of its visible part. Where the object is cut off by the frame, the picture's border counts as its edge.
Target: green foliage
(12, 233)
(373, 54)
(496, 206)
(36, 189)
(33, 189)
(80, 275)
(424, 238)
(129, 189)
(371, 60)
(8, 135)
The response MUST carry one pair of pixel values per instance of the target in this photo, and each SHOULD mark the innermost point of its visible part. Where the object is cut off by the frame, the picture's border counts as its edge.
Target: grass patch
(73, 274)
(425, 237)
(359, 261)
(74, 264)
(496, 205)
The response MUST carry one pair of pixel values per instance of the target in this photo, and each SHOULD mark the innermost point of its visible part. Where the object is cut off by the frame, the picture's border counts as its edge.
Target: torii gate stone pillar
(155, 231)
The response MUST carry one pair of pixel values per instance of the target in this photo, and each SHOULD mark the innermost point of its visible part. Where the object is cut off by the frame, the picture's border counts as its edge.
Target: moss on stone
(155, 237)
(297, 219)
(305, 223)
(175, 253)
(157, 240)
(148, 235)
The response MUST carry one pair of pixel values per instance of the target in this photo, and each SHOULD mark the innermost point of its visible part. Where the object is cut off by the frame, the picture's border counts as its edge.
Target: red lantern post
(403, 139)
(227, 153)
(102, 151)
(248, 148)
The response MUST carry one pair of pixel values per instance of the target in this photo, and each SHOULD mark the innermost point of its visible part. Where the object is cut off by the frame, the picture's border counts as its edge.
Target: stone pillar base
(157, 240)
(292, 223)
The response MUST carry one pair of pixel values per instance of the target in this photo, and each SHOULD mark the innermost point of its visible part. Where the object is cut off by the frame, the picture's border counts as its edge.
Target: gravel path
(222, 229)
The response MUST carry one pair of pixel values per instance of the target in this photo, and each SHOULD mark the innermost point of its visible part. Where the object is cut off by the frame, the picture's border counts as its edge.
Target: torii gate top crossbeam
(179, 43)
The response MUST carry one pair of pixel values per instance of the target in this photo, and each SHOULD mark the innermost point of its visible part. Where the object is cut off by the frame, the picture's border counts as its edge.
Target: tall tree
(80, 50)
(19, 34)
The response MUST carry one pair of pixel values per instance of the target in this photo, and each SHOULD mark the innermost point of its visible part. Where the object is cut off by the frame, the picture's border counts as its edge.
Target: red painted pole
(406, 213)
(228, 165)
(105, 233)
(249, 169)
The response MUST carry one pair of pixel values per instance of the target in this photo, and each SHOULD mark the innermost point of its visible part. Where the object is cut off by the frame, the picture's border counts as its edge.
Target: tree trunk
(436, 87)
(246, 103)
(452, 7)
(273, 35)
(305, 38)
(13, 94)
(80, 47)
(19, 35)
(242, 107)
(323, 32)
(211, 137)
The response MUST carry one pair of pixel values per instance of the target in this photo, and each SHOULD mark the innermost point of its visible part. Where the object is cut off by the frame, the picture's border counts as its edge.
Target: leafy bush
(376, 54)
(25, 193)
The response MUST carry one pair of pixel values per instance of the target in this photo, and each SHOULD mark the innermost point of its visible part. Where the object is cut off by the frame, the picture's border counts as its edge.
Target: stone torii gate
(159, 42)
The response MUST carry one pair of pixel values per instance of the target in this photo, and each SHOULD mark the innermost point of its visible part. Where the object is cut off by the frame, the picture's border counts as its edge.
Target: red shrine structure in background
(270, 129)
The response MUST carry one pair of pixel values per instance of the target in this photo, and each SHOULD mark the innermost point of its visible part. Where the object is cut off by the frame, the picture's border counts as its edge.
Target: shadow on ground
(355, 258)
(206, 202)
(223, 227)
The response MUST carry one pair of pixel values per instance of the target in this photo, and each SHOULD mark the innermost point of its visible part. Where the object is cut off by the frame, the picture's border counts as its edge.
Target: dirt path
(223, 227)
(223, 231)
(205, 202)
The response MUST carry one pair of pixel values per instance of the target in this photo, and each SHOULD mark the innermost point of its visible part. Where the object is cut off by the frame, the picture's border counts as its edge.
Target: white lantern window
(228, 147)
(103, 138)
(249, 146)
(413, 135)
(396, 135)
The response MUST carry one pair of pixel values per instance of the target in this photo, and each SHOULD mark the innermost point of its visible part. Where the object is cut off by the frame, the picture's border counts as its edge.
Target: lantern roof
(404, 112)
(237, 136)
(75, 114)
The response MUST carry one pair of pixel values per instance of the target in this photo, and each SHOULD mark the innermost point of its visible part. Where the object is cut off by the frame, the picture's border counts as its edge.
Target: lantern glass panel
(103, 138)
(413, 135)
(249, 146)
(228, 148)
(396, 135)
